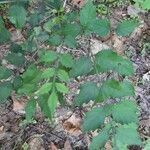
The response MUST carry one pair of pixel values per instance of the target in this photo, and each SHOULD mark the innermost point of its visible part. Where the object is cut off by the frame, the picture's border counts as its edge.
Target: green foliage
(126, 135)
(5, 91)
(94, 119)
(47, 72)
(144, 4)
(17, 16)
(126, 27)
(88, 91)
(30, 109)
(116, 90)
(100, 140)
(108, 60)
(82, 66)
(4, 73)
(4, 33)
(121, 111)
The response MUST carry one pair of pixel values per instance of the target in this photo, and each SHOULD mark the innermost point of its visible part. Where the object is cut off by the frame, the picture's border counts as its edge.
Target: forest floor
(65, 132)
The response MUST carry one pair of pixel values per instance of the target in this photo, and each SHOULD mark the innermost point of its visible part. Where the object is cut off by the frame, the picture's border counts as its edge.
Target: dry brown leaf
(72, 125)
(118, 44)
(1, 129)
(78, 3)
(18, 105)
(53, 147)
(67, 145)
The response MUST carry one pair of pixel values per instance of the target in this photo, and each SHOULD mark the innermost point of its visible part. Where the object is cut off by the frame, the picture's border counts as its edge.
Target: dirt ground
(65, 132)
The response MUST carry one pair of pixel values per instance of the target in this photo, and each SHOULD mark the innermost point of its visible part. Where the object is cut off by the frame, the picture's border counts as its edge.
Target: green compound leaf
(5, 73)
(63, 75)
(107, 60)
(18, 59)
(126, 135)
(125, 112)
(62, 88)
(115, 89)
(17, 83)
(5, 91)
(15, 48)
(66, 60)
(87, 14)
(71, 30)
(30, 109)
(31, 75)
(100, 27)
(88, 91)
(82, 66)
(27, 89)
(48, 56)
(48, 73)
(42, 102)
(97, 116)
(17, 16)
(4, 33)
(93, 119)
(126, 27)
(55, 40)
(52, 102)
(44, 89)
(70, 41)
(100, 140)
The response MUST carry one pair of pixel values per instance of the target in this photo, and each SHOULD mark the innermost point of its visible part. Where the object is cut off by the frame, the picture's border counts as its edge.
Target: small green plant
(144, 4)
(45, 76)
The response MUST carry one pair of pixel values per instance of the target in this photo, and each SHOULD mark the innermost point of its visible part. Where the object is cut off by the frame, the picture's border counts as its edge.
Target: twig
(64, 5)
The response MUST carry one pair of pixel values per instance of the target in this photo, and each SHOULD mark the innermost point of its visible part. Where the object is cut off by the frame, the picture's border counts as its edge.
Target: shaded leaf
(17, 16)
(52, 102)
(30, 109)
(125, 112)
(93, 119)
(5, 73)
(81, 66)
(107, 60)
(115, 89)
(126, 27)
(100, 140)
(88, 91)
(127, 135)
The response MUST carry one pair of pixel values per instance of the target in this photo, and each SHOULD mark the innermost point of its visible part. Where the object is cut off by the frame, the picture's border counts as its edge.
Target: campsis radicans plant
(45, 76)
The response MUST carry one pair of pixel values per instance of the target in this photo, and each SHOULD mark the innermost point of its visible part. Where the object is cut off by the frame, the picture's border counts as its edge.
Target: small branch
(64, 5)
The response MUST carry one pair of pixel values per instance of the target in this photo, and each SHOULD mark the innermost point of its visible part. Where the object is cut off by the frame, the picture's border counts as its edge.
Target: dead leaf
(1, 129)
(53, 147)
(78, 3)
(36, 142)
(67, 145)
(72, 125)
(18, 105)
(118, 44)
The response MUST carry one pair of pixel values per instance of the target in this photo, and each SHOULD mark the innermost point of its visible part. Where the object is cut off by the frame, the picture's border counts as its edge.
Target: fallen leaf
(118, 44)
(67, 145)
(97, 46)
(78, 3)
(1, 129)
(53, 147)
(18, 105)
(72, 125)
